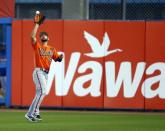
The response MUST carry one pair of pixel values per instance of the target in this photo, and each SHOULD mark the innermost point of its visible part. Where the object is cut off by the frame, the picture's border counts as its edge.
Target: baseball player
(43, 57)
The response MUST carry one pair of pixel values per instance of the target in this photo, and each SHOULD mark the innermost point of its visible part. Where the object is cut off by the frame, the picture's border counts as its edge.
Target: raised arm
(38, 20)
(34, 32)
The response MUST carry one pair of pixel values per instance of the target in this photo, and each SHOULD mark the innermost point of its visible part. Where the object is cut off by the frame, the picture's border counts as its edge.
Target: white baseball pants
(40, 80)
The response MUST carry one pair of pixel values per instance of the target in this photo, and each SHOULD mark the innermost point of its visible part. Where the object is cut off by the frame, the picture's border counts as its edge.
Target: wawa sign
(111, 65)
(130, 76)
(107, 64)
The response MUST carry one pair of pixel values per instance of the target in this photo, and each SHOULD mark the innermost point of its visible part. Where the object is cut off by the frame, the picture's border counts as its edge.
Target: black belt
(44, 70)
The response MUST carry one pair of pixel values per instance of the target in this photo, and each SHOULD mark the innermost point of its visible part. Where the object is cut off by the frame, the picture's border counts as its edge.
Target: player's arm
(57, 57)
(34, 32)
(38, 20)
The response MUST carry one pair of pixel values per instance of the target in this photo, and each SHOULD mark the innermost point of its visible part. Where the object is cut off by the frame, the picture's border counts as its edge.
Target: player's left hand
(59, 59)
(39, 18)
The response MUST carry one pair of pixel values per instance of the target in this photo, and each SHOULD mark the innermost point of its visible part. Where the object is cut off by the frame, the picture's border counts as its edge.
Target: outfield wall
(94, 75)
(7, 8)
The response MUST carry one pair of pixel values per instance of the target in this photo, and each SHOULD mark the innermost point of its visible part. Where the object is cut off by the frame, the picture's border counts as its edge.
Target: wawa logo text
(114, 82)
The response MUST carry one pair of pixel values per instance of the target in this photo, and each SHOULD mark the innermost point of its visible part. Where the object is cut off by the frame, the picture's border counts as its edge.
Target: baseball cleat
(38, 117)
(30, 118)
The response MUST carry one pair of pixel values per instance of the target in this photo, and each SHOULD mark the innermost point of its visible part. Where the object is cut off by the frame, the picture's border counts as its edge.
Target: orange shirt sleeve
(55, 54)
(34, 45)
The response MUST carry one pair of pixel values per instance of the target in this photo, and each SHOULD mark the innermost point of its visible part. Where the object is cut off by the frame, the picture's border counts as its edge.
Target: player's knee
(44, 93)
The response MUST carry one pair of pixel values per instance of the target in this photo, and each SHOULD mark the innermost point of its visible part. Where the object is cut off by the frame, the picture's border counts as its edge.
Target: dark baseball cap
(43, 33)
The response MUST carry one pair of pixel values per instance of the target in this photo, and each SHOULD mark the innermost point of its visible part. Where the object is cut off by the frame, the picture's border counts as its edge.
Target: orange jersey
(44, 55)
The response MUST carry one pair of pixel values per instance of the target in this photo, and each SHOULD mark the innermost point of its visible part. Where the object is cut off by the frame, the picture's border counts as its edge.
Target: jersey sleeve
(55, 54)
(35, 45)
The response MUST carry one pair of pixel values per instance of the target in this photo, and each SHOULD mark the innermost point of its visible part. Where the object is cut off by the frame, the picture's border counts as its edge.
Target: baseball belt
(44, 70)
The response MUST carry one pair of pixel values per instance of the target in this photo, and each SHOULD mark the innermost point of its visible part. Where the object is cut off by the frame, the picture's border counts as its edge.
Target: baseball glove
(39, 18)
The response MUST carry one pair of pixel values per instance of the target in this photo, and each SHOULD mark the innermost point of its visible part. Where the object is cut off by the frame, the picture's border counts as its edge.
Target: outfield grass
(83, 121)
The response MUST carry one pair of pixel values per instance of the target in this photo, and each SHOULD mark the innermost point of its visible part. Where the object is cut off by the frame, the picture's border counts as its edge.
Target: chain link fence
(25, 9)
(134, 9)
(97, 9)
(146, 11)
(106, 9)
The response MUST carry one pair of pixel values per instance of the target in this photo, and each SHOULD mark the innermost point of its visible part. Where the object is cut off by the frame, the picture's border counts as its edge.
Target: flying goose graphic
(98, 49)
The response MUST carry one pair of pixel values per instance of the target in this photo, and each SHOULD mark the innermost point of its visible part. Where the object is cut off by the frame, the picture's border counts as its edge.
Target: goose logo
(99, 50)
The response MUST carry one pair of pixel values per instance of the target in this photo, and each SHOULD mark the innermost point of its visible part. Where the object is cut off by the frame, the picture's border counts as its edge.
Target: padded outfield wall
(7, 8)
(107, 64)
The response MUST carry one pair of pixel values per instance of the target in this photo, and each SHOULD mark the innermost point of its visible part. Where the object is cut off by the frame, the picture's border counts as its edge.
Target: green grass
(83, 121)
